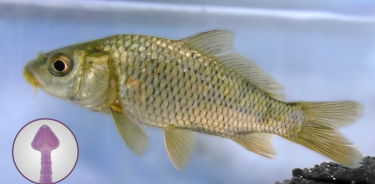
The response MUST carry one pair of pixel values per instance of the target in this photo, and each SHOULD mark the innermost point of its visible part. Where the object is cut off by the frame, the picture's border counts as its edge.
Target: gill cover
(93, 84)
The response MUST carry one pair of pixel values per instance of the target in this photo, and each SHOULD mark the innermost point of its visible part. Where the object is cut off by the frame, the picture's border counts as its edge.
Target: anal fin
(132, 134)
(180, 146)
(259, 143)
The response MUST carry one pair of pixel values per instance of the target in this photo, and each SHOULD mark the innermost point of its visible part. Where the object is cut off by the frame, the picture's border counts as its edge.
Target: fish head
(78, 74)
(52, 72)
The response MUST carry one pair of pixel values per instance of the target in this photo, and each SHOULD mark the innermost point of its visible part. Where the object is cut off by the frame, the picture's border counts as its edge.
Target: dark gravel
(333, 173)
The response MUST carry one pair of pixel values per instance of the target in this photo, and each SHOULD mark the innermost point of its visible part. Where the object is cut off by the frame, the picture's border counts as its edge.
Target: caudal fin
(319, 131)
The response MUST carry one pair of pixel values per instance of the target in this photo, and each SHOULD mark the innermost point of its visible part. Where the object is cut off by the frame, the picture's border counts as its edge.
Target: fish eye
(60, 65)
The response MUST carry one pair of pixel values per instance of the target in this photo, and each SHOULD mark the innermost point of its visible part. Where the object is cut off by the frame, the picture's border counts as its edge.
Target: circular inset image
(45, 151)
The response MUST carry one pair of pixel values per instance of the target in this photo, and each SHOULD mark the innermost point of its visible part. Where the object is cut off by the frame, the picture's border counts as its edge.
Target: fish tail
(319, 130)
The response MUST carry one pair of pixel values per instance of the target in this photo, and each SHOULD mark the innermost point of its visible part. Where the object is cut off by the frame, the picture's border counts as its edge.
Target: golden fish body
(165, 83)
(191, 85)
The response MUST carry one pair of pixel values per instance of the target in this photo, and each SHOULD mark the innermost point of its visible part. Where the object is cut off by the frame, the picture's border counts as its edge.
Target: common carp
(196, 84)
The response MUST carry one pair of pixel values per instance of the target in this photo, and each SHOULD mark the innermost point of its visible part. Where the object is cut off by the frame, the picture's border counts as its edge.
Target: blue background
(318, 51)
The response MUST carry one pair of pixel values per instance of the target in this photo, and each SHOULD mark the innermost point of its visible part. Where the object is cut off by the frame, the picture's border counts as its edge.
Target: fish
(193, 85)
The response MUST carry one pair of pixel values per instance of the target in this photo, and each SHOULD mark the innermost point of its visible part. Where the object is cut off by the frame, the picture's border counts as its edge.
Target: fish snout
(29, 76)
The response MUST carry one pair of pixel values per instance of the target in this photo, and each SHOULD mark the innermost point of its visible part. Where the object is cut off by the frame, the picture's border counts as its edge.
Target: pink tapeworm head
(45, 139)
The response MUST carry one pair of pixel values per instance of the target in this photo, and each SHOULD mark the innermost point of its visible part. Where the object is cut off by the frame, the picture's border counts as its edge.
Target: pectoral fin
(180, 145)
(133, 135)
(259, 143)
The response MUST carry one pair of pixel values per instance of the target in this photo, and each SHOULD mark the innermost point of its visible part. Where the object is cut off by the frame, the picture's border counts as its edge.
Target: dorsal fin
(212, 42)
(217, 44)
(253, 73)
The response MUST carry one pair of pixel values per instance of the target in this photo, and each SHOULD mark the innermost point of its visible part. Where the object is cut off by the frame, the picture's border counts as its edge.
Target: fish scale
(147, 67)
(196, 84)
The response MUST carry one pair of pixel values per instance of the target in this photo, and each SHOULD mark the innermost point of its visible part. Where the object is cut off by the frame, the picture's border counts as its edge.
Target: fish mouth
(30, 78)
